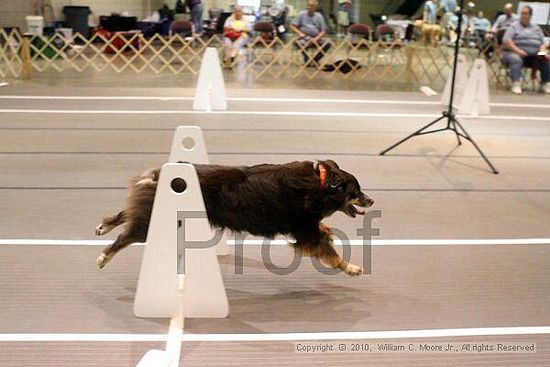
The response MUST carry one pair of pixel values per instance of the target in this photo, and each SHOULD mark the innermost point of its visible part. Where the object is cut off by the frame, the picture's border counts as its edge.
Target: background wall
(13, 12)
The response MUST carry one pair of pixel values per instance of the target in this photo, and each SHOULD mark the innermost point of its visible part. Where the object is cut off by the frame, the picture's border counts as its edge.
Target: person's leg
(515, 63)
(301, 43)
(238, 45)
(323, 49)
(544, 65)
(197, 17)
(228, 44)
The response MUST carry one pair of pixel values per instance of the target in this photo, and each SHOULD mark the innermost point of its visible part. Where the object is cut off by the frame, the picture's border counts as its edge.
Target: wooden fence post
(26, 66)
(410, 55)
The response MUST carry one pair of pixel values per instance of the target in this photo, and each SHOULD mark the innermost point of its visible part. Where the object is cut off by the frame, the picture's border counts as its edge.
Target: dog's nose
(370, 202)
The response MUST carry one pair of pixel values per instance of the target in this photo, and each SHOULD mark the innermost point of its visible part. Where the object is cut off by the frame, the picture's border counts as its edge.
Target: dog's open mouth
(352, 211)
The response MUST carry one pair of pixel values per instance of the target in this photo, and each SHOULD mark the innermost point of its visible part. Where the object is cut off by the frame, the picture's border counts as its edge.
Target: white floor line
(392, 334)
(25, 337)
(280, 242)
(97, 98)
(259, 99)
(273, 337)
(268, 113)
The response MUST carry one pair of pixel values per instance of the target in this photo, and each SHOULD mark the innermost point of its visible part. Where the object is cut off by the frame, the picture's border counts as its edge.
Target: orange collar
(322, 176)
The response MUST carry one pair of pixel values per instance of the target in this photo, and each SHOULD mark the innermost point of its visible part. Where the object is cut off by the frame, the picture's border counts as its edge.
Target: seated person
(311, 28)
(503, 21)
(235, 35)
(481, 25)
(524, 41)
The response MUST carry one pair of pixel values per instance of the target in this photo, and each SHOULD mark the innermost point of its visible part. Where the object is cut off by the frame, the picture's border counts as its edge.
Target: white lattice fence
(375, 61)
(356, 59)
(431, 65)
(121, 52)
(10, 53)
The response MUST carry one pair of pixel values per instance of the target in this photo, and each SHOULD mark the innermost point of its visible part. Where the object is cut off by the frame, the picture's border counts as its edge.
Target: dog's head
(341, 189)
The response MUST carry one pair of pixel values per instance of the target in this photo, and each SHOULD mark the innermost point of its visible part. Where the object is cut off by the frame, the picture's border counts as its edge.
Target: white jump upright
(210, 91)
(476, 96)
(158, 293)
(460, 83)
(471, 88)
(161, 291)
(188, 146)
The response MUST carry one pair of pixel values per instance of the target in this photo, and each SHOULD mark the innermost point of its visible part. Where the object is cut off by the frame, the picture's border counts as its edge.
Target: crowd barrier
(348, 58)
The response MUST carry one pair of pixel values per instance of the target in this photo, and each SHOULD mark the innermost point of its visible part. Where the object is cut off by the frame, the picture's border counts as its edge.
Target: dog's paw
(353, 270)
(102, 229)
(102, 260)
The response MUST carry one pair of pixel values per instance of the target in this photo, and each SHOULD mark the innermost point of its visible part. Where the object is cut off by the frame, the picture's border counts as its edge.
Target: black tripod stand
(452, 123)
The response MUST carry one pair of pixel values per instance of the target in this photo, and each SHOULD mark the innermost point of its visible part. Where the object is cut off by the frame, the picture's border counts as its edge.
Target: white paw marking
(99, 230)
(145, 181)
(102, 260)
(353, 270)
(102, 229)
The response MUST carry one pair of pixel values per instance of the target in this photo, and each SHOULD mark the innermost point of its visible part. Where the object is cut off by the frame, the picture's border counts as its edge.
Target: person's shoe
(516, 88)
(546, 88)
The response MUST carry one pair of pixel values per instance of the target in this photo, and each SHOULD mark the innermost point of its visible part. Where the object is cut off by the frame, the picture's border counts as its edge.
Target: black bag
(345, 66)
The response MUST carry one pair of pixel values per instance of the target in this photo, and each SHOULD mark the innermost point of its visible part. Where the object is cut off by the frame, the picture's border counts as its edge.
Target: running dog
(264, 200)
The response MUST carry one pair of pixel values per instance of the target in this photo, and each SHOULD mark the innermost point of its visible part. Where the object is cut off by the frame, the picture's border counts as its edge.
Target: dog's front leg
(318, 243)
(328, 255)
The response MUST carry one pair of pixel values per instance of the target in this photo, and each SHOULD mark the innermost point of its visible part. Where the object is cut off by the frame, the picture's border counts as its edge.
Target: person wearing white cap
(345, 8)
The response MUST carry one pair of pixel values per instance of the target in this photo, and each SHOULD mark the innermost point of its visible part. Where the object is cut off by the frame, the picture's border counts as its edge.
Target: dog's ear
(331, 165)
(333, 179)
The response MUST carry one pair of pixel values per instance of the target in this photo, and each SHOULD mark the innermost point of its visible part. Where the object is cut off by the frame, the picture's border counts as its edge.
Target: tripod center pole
(457, 50)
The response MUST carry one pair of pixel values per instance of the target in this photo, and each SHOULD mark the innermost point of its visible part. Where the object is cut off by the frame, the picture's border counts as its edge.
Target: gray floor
(410, 288)
(62, 172)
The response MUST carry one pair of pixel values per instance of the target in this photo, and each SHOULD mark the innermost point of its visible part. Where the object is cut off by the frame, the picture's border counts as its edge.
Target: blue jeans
(196, 16)
(515, 62)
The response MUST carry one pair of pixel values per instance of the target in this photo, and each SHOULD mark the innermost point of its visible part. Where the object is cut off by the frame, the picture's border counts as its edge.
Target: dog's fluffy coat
(264, 200)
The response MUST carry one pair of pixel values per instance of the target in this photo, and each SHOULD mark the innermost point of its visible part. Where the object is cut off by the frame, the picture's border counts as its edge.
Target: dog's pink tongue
(357, 211)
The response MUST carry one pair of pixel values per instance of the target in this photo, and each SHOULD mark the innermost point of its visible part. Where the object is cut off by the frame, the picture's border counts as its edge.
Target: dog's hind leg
(109, 223)
(123, 240)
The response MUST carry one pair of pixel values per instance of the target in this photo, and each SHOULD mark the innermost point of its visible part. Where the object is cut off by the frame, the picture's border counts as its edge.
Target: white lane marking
(391, 334)
(337, 335)
(98, 98)
(279, 242)
(20, 337)
(267, 113)
(259, 99)
(30, 242)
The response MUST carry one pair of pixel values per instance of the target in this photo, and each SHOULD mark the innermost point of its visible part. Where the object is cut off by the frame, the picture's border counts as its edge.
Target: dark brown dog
(265, 200)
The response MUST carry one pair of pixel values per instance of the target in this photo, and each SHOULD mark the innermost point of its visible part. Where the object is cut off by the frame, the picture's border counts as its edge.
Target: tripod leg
(456, 132)
(495, 171)
(413, 134)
